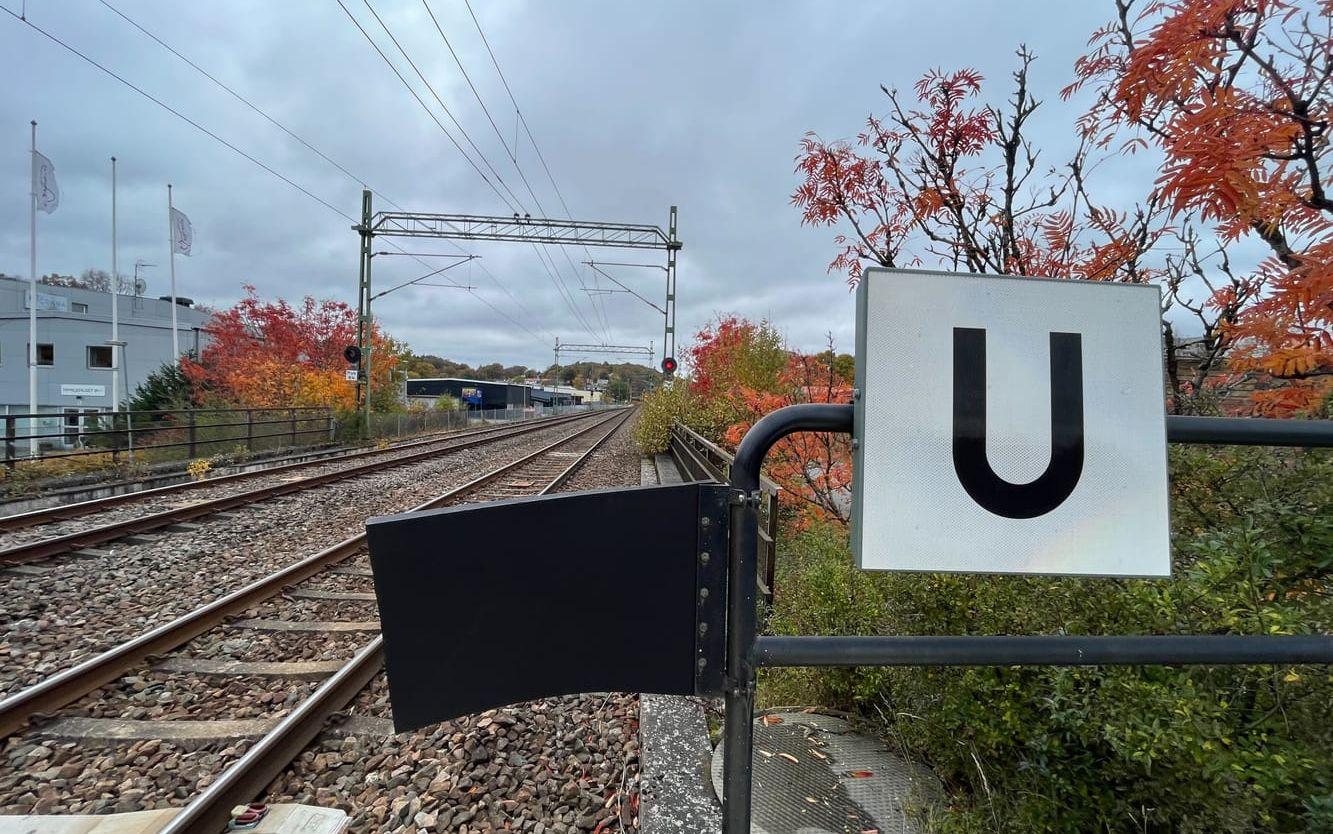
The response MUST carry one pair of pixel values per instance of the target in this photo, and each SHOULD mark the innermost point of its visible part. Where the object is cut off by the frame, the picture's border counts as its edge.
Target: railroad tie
(298, 670)
(181, 732)
(306, 625)
(315, 593)
(347, 571)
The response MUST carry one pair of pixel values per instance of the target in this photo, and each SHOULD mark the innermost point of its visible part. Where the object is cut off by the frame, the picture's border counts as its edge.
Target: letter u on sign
(1009, 425)
(1051, 487)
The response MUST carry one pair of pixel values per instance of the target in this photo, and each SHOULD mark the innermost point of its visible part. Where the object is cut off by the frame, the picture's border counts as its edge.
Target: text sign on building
(83, 390)
(1009, 425)
(47, 302)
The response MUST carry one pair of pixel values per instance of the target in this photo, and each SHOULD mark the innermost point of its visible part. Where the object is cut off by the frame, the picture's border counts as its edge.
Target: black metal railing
(177, 433)
(746, 651)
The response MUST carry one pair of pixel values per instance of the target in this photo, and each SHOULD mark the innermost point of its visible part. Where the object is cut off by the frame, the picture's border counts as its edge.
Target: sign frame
(1154, 560)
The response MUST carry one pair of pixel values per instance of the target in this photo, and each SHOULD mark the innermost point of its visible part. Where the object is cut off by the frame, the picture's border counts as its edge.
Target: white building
(73, 357)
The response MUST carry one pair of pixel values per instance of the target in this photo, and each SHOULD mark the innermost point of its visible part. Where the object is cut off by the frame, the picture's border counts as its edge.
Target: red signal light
(669, 365)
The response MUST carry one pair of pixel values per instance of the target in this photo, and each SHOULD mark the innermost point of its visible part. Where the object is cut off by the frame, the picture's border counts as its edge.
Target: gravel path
(77, 606)
(558, 765)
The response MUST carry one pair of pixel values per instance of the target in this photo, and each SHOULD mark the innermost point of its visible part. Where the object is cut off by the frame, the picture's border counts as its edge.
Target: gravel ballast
(553, 766)
(558, 765)
(77, 606)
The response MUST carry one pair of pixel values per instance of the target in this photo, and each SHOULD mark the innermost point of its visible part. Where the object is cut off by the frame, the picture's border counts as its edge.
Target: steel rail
(57, 545)
(211, 809)
(66, 512)
(65, 686)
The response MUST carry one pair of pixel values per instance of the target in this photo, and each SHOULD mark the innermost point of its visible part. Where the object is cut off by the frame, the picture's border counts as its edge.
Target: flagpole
(32, 307)
(115, 315)
(171, 245)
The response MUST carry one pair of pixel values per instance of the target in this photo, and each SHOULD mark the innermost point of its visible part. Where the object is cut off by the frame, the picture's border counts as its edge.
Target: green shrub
(1227, 749)
(672, 403)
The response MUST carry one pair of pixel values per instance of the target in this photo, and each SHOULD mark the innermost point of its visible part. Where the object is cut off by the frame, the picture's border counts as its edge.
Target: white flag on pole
(44, 183)
(182, 233)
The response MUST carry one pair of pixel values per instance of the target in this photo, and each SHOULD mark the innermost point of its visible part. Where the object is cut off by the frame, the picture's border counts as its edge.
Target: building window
(78, 308)
(46, 353)
(99, 356)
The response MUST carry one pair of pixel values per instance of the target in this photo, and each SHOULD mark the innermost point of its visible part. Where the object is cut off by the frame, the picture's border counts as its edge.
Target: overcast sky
(635, 107)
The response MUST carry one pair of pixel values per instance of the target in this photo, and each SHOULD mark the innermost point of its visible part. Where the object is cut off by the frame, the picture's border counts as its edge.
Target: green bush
(1133, 749)
(672, 403)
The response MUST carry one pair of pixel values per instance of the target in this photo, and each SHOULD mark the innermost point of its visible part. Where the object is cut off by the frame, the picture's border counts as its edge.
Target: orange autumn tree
(944, 179)
(1236, 96)
(741, 370)
(269, 354)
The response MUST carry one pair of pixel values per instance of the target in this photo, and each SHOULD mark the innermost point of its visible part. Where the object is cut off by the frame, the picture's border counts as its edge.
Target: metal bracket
(711, 589)
(753, 499)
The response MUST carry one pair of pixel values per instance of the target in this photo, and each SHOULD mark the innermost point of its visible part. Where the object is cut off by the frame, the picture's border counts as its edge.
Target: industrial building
(487, 395)
(473, 394)
(548, 399)
(73, 357)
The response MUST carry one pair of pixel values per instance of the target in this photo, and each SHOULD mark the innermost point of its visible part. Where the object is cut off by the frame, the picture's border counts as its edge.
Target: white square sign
(1009, 425)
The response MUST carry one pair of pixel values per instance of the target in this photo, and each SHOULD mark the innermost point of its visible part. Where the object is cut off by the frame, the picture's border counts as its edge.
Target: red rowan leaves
(270, 354)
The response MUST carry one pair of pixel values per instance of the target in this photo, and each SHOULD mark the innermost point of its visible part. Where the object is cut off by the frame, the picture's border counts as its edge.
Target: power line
(360, 181)
(233, 147)
(429, 112)
(173, 111)
(242, 99)
(440, 102)
(566, 295)
(476, 94)
(599, 310)
(518, 112)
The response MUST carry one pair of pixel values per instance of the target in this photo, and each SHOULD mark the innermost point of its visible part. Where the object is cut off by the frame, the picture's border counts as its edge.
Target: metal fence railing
(702, 460)
(747, 651)
(184, 433)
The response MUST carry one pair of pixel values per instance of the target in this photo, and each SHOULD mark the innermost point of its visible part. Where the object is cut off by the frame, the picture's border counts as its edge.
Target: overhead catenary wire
(522, 120)
(242, 99)
(359, 180)
(249, 157)
(599, 309)
(423, 104)
(517, 204)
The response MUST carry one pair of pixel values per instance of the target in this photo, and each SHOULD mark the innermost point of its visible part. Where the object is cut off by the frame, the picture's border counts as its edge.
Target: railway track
(47, 547)
(538, 472)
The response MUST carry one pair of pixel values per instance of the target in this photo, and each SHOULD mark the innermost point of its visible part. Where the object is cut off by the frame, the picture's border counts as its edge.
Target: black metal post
(291, 415)
(250, 430)
(193, 433)
(1042, 650)
(9, 441)
(1249, 431)
(742, 575)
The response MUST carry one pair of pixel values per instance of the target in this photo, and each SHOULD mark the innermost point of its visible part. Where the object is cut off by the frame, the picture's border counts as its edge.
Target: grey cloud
(636, 107)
